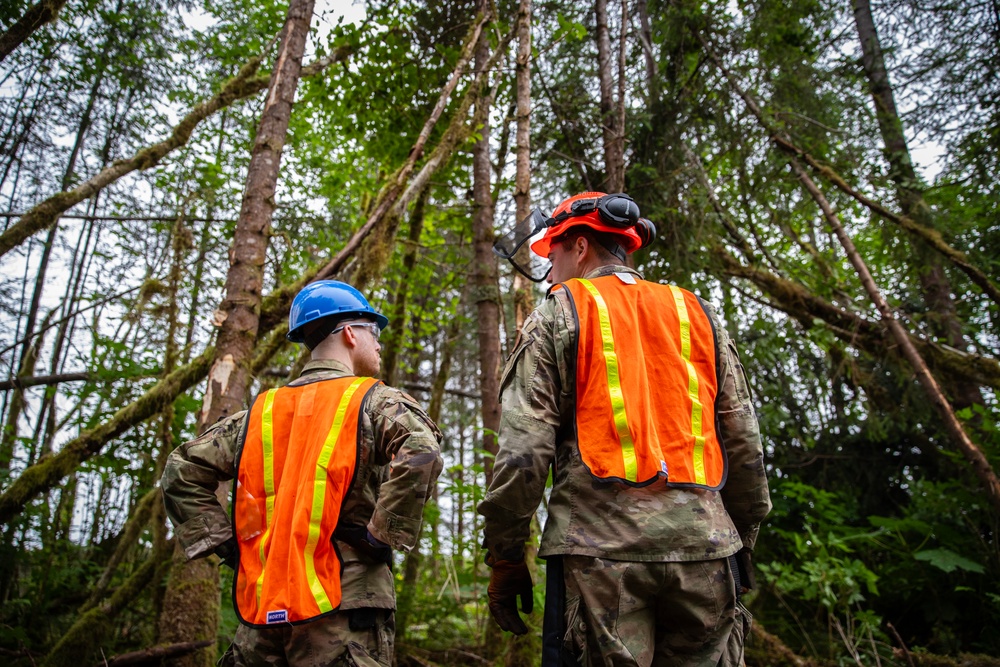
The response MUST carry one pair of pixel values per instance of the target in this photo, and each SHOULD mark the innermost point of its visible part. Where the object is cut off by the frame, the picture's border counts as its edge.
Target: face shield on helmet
(616, 214)
(510, 246)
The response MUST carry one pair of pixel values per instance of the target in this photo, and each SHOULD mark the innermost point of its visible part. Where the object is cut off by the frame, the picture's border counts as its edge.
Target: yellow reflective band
(267, 440)
(696, 425)
(614, 384)
(319, 498)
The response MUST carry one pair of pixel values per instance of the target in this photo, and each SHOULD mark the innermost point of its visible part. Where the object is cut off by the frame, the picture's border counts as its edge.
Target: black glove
(228, 552)
(744, 564)
(508, 580)
(374, 549)
(369, 547)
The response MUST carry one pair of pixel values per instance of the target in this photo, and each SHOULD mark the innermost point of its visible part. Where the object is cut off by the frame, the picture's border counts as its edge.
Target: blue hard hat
(324, 298)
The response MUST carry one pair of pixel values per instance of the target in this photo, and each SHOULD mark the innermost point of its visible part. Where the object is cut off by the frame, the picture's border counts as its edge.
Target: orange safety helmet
(614, 214)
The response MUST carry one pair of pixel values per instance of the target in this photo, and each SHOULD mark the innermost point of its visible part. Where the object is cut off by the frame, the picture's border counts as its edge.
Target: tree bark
(805, 307)
(522, 650)
(390, 194)
(398, 318)
(274, 309)
(239, 312)
(971, 451)
(523, 294)
(613, 156)
(191, 602)
(37, 15)
(485, 274)
(646, 41)
(156, 654)
(43, 263)
(614, 137)
(199, 266)
(928, 235)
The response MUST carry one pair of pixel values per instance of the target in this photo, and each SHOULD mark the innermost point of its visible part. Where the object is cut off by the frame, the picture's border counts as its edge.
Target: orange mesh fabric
(644, 410)
(296, 466)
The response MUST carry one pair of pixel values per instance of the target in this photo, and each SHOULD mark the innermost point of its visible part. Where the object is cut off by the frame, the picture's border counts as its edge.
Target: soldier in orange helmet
(633, 395)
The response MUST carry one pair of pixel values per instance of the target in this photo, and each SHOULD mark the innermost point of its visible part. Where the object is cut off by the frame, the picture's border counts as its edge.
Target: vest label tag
(277, 616)
(626, 278)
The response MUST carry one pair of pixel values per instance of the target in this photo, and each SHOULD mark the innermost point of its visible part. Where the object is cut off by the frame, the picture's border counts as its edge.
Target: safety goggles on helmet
(615, 213)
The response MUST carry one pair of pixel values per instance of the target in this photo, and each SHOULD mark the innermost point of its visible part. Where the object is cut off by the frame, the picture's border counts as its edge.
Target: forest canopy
(824, 173)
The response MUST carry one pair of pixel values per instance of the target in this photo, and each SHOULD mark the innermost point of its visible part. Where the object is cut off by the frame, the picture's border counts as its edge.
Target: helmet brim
(628, 238)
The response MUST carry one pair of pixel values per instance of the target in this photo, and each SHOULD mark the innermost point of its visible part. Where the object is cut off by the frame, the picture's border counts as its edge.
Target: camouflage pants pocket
(738, 637)
(358, 656)
(575, 639)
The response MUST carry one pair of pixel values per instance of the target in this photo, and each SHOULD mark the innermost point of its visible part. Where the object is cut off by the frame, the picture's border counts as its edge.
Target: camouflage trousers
(356, 638)
(646, 614)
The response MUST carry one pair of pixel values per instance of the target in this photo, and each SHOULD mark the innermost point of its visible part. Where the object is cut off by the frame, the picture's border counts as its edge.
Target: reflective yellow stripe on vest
(319, 498)
(696, 427)
(614, 384)
(267, 440)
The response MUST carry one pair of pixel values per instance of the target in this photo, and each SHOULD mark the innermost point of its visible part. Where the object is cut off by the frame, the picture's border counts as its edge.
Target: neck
(331, 350)
(590, 264)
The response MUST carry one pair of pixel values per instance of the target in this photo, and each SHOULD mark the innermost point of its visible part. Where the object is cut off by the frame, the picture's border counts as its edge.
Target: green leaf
(948, 561)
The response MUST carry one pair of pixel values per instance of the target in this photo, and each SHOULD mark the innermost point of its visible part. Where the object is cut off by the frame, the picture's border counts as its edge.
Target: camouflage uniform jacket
(398, 467)
(588, 517)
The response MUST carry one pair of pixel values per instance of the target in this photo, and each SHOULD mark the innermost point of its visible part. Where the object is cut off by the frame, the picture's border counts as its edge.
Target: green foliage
(876, 518)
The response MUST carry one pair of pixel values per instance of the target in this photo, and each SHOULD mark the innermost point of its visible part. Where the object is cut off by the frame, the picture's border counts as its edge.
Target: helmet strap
(615, 249)
(323, 329)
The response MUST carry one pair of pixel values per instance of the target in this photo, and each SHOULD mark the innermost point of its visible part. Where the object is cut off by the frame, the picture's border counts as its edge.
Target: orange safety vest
(646, 383)
(296, 464)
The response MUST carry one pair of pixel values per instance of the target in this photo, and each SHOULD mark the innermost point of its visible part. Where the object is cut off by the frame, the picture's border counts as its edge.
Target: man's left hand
(508, 581)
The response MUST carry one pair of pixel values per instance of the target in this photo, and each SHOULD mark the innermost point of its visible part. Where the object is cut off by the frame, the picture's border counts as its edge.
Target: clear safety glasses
(371, 326)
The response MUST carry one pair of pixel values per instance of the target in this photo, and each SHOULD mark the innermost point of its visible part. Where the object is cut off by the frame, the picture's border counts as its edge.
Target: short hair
(601, 242)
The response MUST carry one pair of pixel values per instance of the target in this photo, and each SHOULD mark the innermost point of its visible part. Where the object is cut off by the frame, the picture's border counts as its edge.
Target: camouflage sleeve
(745, 494)
(406, 439)
(530, 393)
(189, 483)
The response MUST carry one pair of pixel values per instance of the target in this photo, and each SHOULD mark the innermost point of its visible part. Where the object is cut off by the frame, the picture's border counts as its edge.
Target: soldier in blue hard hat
(314, 524)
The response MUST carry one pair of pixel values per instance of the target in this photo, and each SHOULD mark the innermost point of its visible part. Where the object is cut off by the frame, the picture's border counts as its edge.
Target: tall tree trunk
(37, 15)
(646, 40)
(524, 301)
(203, 241)
(614, 137)
(77, 273)
(485, 273)
(973, 454)
(239, 311)
(942, 316)
(522, 650)
(191, 603)
(397, 332)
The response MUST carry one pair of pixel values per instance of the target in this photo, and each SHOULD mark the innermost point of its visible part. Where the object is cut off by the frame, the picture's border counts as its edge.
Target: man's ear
(350, 338)
(581, 243)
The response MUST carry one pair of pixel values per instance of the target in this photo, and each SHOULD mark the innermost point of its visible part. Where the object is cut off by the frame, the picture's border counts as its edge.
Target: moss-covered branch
(798, 302)
(47, 472)
(243, 85)
(37, 15)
